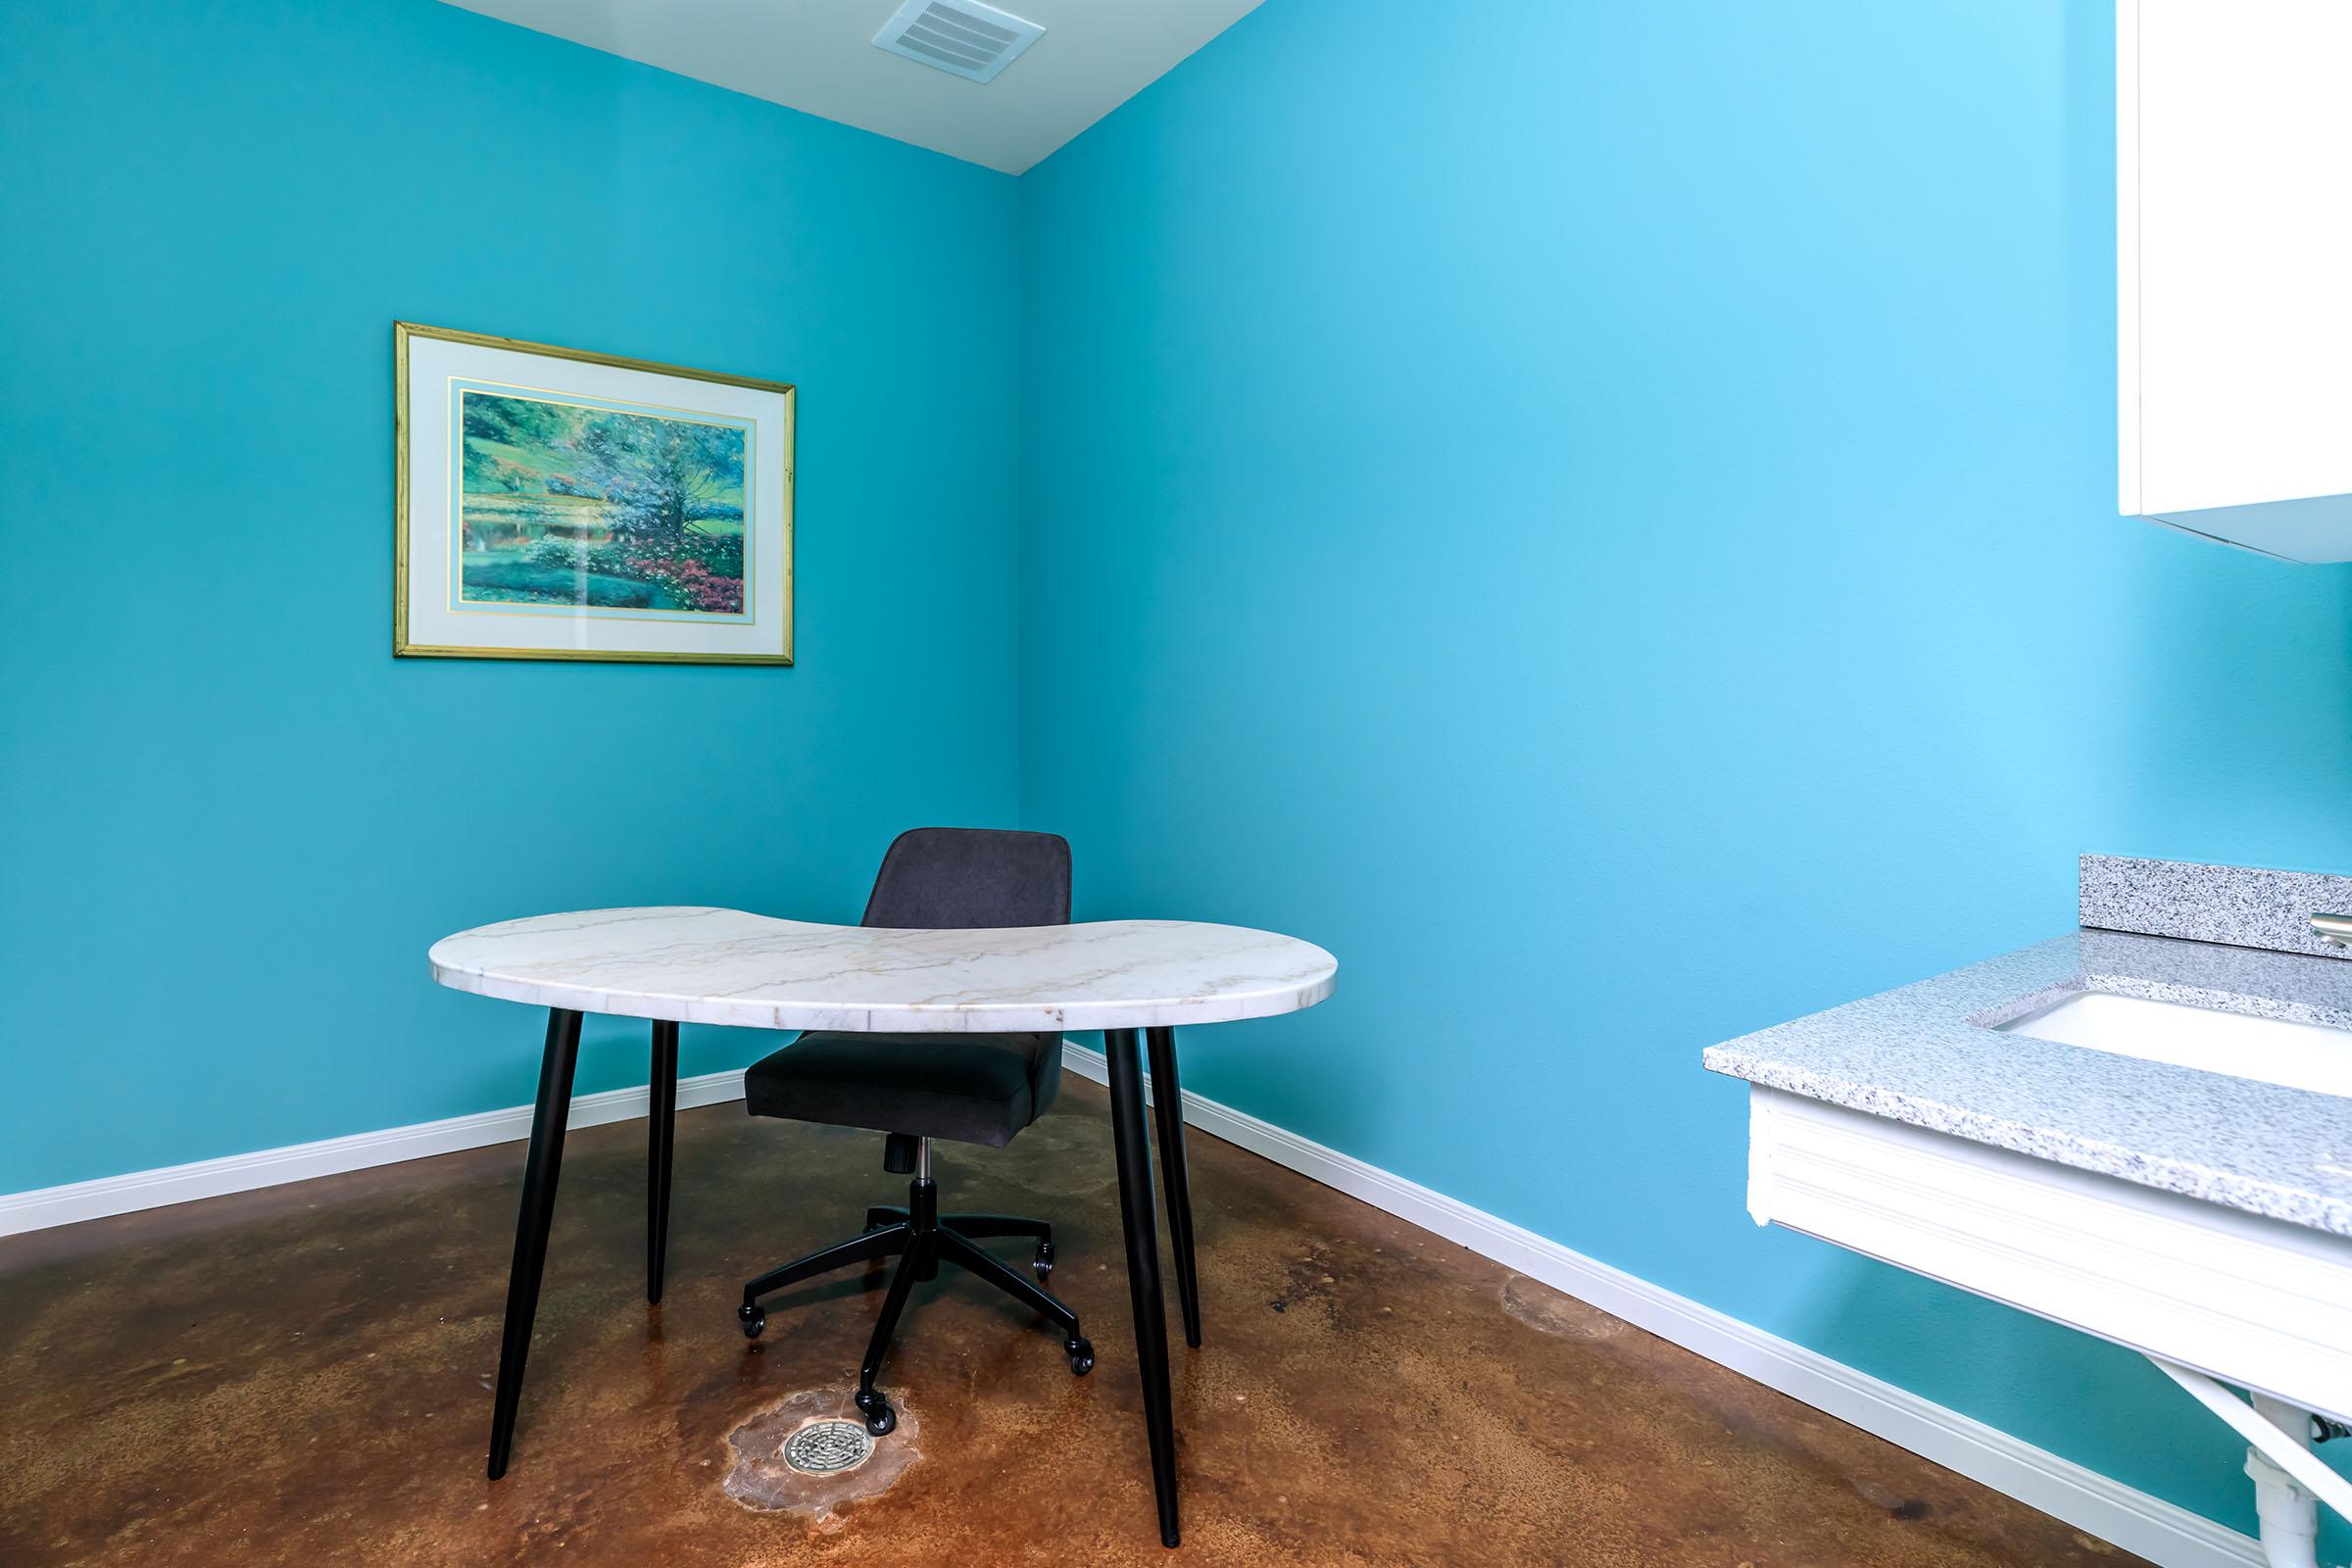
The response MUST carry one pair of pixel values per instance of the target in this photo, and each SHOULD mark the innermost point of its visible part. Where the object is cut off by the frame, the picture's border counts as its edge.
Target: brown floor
(302, 1376)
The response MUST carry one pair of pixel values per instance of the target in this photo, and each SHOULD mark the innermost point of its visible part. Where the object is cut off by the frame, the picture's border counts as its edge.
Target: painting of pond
(584, 507)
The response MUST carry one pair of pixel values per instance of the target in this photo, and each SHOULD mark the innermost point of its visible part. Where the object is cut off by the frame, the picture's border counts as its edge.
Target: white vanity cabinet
(2234, 209)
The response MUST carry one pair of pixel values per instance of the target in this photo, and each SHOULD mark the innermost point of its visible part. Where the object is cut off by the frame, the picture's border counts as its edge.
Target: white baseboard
(2164, 1533)
(269, 1167)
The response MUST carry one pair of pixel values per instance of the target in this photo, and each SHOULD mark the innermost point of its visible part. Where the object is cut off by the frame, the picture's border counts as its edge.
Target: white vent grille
(961, 37)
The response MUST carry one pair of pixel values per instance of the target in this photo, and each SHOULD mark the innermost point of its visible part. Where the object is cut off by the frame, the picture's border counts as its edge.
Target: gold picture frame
(561, 504)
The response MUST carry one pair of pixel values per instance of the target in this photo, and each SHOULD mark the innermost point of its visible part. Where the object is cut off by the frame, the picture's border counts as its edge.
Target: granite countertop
(1928, 1054)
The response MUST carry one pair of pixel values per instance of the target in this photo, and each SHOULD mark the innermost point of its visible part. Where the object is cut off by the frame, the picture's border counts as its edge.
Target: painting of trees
(573, 502)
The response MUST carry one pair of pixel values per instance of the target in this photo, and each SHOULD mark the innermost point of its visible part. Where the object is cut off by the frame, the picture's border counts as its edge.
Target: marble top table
(689, 964)
(723, 966)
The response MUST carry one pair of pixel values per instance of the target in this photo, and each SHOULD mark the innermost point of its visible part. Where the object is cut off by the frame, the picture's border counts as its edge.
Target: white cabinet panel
(2235, 269)
(2255, 1301)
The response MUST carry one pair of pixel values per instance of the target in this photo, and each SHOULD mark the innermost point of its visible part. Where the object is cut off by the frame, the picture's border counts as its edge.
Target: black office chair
(976, 1089)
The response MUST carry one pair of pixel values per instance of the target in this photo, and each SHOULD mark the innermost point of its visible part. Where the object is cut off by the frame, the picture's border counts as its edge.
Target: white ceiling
(819, 56)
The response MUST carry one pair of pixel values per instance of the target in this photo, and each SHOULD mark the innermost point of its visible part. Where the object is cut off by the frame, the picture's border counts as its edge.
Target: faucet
(2333, 929)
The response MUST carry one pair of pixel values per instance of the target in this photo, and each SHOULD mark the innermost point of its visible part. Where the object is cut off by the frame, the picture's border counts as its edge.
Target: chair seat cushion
(976, 1089)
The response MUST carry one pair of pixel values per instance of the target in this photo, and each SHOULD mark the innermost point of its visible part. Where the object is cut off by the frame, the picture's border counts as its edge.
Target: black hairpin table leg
(1132, 1147)
(1167, 1115)
(661, 1132)
(540, 1168)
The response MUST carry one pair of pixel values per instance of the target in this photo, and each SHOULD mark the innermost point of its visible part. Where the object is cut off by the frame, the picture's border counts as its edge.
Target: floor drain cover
(823, 1446)
(809, 1455)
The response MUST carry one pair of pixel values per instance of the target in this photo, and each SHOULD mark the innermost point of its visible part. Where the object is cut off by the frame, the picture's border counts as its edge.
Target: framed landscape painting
(554, 504)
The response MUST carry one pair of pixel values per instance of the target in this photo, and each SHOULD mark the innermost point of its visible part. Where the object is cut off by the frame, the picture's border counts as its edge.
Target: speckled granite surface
(2244, 904)
(1927, 1054)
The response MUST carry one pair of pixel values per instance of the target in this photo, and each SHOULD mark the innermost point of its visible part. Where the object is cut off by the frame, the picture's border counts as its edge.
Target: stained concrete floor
(302, 1376)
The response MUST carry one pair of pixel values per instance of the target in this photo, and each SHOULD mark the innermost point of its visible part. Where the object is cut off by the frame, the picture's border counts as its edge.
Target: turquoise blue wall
(231, 822)
(1603, 515)
(1600, 515)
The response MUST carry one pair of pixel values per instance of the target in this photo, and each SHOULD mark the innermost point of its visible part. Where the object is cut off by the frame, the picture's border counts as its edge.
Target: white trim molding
(74, 1202)
(2161, 1532)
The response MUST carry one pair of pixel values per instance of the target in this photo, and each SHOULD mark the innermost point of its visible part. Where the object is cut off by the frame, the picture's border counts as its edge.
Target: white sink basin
(2270, 1051)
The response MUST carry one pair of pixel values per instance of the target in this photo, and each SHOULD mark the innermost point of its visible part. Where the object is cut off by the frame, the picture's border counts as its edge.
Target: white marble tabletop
(725, 966)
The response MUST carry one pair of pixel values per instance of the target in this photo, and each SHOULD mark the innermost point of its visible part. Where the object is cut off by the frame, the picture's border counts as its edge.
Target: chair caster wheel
(880, 1418)
(753, 1318)
(1082, 1354)
(1044, 1261)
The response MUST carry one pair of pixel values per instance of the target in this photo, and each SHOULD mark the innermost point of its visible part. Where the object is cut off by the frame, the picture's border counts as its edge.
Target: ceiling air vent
(959, 36)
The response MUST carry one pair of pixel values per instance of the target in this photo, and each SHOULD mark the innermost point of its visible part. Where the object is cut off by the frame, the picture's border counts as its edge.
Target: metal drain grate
(822, 1447)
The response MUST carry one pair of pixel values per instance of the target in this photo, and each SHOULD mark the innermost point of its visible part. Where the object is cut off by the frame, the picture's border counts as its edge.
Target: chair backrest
(973, 876)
